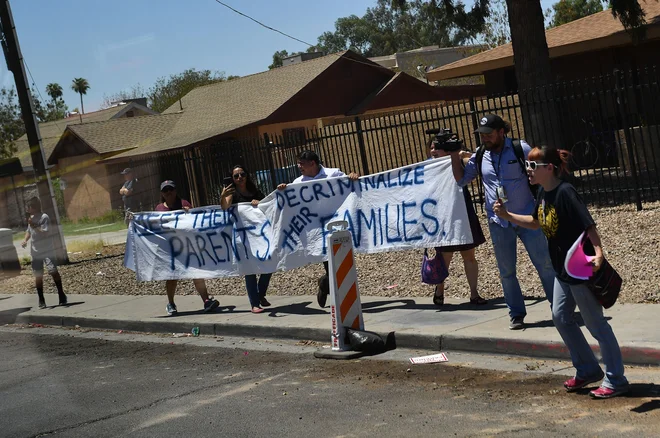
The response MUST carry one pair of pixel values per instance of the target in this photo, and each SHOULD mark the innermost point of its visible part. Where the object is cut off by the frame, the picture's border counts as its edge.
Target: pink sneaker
(573, 384)
(603, 392)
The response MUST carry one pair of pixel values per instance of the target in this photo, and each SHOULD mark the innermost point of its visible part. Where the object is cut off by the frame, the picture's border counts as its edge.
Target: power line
(294, 38)
(38, 91)
(261, 24)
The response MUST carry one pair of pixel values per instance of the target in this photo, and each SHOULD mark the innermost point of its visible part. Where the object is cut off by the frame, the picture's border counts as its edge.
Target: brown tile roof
(52, 131)
(216, 109)
(123, 133)
(597, 31)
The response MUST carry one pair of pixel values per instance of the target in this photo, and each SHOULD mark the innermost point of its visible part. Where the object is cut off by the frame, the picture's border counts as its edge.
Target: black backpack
(520, 155)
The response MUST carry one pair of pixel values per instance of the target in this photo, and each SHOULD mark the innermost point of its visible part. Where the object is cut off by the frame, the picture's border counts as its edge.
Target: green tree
(11, 123)
(80, 86)
(278, 57)
(54, 90)
(55, 109)
(571, 10)
(166, 91)
(385, 30)
(530, 48)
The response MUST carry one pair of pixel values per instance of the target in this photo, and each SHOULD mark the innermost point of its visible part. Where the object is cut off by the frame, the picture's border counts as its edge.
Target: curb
(490, 345)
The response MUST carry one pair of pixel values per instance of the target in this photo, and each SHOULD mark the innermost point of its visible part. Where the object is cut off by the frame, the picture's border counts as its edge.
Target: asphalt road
(72, 384)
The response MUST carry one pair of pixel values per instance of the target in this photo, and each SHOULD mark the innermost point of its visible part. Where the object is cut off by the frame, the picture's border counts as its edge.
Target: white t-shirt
(41, 242)
(324, 172)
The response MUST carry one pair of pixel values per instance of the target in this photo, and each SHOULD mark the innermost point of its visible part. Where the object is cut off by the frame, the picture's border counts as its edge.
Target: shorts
(38, 264)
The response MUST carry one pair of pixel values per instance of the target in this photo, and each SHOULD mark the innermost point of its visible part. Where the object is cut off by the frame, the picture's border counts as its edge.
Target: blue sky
(117, 44)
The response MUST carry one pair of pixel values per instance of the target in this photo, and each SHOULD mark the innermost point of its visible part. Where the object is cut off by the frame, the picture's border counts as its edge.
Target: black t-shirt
(239, 197)
(563, 217)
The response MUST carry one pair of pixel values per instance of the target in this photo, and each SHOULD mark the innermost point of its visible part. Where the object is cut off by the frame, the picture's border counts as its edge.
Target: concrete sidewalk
(417, 323)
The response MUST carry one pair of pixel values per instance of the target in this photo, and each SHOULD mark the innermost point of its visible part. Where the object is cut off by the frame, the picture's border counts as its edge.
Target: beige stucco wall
(88, 187)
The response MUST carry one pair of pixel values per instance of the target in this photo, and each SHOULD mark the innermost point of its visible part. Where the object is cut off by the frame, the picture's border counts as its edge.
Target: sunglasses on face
(240, 175)
(532, 165)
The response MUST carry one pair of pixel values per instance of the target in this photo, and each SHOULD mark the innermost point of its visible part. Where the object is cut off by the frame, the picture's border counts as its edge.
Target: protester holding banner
(243, 189)
(170, 201)
(310, 168)
(467, 250)
(500, 162)
(563, 217)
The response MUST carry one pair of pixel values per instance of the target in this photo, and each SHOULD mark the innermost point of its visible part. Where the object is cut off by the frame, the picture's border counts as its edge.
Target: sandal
(478, 301)
(438, 300)
(257, 310)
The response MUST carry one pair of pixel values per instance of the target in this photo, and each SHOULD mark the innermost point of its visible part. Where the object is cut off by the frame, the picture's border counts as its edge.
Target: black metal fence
(610, 123)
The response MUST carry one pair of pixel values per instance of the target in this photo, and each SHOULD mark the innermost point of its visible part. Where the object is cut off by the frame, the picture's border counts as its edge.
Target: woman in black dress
(467, 251)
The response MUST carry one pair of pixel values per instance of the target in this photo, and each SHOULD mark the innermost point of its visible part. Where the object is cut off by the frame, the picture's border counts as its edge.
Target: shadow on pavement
(5, 298)
(385, 305)
(66, 305)
(9, 316)
(295, 309)
(544, 324)
(221, 309)
(647, 407)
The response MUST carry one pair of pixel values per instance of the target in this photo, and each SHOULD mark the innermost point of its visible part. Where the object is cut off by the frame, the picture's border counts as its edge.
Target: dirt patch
(629, 238)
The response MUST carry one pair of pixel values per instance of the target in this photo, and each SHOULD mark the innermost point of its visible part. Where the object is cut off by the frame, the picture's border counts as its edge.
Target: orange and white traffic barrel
(345, 305)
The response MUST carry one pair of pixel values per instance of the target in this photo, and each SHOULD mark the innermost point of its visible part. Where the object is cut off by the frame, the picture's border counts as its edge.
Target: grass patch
(83, 229)
(95, 245)
(26, 260)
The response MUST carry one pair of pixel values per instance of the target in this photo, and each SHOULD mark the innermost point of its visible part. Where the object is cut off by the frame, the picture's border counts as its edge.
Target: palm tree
(54, 90)
(80, 86)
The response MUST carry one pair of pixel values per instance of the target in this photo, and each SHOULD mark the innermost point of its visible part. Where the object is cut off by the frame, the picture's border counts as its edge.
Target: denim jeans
(584, 360)
(256, 290)
(505, 242)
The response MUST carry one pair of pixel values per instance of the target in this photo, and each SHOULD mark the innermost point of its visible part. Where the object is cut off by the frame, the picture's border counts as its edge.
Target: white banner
(417, 206)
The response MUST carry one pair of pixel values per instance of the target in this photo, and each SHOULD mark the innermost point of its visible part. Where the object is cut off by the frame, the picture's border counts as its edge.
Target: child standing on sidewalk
(42, 250)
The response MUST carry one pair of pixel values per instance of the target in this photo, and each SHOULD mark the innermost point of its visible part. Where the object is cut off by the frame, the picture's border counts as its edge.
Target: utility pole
(9, 40)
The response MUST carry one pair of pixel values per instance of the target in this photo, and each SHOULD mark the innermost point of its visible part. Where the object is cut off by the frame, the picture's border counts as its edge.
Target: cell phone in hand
(227, 181)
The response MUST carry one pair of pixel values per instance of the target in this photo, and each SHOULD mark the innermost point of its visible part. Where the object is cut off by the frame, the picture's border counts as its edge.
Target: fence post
(621, 106)
(363, 150)
(271, 163)
(475, 122)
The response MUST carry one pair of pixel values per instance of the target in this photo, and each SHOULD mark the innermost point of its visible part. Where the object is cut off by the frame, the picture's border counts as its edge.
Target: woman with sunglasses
(467, 251)
(170, 201)
(242, 189)
(563, 216)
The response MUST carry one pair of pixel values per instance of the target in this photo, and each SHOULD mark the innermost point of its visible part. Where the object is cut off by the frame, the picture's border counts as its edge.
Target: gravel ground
(630, 239)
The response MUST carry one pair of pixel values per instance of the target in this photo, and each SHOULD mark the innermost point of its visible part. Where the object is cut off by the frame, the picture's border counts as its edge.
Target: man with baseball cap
(500, 162)
(128, 193)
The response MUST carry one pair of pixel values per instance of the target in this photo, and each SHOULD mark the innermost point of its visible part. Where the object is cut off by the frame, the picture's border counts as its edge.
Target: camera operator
(440, 146)
(500, 163)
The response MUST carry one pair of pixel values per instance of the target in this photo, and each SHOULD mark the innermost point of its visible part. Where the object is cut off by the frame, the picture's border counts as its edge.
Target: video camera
(445, 139)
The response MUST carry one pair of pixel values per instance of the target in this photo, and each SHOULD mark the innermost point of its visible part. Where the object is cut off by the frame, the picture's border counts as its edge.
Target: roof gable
(51, 132)
(216, 109)
(116, 135)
